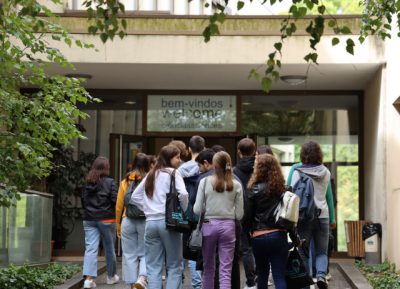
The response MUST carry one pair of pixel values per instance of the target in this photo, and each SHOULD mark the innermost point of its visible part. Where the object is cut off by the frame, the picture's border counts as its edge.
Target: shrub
(28, 277)
(381, 276)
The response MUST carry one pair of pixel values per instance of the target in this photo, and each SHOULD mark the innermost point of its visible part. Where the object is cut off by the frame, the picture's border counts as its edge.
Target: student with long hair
(131, 230)
(269, 241)
(161, 245)
(220, 197)
(98, 199)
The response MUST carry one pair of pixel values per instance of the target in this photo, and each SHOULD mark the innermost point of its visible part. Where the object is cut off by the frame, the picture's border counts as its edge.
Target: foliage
(377, 19)
(381, 276)
(31, 122)
(21, 277)
(65, 183)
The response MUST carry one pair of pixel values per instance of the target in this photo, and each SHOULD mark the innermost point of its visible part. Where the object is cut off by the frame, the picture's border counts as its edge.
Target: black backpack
(131, 210)
(304, 189)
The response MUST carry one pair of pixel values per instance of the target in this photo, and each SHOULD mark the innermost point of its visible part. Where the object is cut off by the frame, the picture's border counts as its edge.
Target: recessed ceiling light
(293, 79)
(130, 102)
(246, 103)
(267, 113)
(79, 75)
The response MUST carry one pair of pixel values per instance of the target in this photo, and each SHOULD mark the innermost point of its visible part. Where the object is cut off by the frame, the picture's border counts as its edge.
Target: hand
(332, 226)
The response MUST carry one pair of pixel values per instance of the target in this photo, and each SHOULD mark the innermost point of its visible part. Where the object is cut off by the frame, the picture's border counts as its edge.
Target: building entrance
(123, 148)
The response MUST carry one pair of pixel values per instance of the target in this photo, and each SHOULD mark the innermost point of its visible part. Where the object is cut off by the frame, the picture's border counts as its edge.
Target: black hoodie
(243, 170)
(98, 200)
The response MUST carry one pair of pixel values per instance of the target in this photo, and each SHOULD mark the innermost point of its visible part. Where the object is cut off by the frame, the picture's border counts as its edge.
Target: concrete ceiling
(220, 76)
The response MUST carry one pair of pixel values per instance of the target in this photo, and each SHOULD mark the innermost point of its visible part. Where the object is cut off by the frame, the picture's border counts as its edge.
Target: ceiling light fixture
(79, 75)
(130, 102)
(246, 103)
(293, 79)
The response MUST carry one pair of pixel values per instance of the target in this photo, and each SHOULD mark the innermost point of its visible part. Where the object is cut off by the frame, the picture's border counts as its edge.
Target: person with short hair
(246, 150)
(99, 196)
(264, 149)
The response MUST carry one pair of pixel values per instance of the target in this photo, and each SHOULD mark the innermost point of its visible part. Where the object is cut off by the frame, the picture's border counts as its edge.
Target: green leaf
(278, 46)
(124, 24)
(240, 5)
(350, 46)
(321, 9)
(345, 30)
(331, 23)
(302, 12)
(266, 84)
(104, 37)
(335, 41)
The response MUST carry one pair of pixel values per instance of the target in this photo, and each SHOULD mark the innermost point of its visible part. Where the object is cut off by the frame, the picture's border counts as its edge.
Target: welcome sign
(191, 113)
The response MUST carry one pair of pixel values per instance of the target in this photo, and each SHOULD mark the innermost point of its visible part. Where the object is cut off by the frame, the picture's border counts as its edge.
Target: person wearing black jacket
(269, 240)
(99, 196)
(244, 168)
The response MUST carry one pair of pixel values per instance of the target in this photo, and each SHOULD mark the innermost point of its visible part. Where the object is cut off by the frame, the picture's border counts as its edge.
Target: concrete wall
(392, 130)
(374, 152)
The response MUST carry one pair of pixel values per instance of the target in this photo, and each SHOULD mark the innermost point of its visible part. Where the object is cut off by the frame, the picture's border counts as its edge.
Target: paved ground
(338, 281)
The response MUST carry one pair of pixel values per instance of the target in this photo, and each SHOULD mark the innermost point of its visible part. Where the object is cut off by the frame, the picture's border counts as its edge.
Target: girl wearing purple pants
(220, 197)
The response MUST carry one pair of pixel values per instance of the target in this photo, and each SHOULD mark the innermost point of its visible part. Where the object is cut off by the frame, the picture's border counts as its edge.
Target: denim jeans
(248, 260)
(318, 231)
(218, 233)
(194, 274)
(271, 250)
(132, 241)
(93, 231)
(162, 246)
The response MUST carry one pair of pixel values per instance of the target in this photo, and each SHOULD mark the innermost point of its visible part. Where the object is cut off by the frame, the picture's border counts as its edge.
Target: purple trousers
(218, 233)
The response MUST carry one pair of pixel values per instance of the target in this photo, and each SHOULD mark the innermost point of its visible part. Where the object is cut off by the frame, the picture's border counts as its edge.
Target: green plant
(381, 276)
(65, 183)
(28, 277)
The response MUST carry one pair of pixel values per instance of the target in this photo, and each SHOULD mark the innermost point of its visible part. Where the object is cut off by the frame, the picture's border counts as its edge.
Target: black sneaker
(321, 283)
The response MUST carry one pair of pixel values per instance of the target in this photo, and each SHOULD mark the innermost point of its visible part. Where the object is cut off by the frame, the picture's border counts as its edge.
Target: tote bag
(175, 218)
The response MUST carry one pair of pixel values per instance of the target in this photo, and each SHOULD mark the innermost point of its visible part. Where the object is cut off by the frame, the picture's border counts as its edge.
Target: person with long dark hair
(220, 197)
(269, 240)
(131, 230)
(161, 245)
(98, 199)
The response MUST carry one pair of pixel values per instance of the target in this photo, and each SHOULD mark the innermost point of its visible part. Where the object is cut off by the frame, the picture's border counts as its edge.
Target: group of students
(237, 204)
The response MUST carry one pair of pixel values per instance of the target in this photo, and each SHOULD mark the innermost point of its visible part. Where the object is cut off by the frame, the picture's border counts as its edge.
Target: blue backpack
(304, 189)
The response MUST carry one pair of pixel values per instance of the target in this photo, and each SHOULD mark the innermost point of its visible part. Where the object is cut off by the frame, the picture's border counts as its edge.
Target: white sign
(191, 113)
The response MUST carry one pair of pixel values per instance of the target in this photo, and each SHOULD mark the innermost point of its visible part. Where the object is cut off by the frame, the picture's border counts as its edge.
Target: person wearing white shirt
(161, 245)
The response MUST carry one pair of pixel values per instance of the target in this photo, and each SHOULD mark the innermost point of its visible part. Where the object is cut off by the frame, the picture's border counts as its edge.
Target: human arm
(239, 203)
(182, 192)
(114, 192)
(119, 207)
(198, 205)
(331, 207)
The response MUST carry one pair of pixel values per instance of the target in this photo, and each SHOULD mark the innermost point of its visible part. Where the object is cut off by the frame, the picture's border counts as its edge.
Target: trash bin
(372, 235)
(355, 244)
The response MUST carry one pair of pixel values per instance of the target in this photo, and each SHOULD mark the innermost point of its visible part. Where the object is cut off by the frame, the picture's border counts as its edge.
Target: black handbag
(175, 218)
(297, 275)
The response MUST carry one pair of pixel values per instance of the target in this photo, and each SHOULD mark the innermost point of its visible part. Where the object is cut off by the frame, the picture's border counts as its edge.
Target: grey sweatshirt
(225, 205)
(320, 176)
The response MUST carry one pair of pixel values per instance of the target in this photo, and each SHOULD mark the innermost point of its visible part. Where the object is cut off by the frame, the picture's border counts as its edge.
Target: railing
(25, 230)
(173, 7)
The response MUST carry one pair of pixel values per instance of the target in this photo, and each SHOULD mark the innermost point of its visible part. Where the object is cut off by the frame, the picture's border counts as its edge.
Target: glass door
(123, 149)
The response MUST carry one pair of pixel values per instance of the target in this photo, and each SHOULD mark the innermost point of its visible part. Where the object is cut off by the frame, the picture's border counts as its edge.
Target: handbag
(296, 274)
(287, 212)
(196, 238)
(192, 243)
(175, 218)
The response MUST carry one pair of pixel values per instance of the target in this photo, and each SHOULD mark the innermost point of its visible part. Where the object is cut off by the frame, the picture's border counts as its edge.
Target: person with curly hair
(269, 240)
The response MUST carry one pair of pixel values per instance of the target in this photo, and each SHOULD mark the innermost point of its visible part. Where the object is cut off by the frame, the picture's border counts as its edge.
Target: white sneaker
(141, 283)
(270, 283)
(252, 287)
(328, 277)
(89, 284)
(113, 280)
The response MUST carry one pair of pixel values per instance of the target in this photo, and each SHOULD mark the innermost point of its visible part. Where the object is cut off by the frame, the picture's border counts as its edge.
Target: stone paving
(338, 281)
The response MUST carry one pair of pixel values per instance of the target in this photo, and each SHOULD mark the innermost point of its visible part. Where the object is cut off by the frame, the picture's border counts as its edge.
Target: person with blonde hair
(220, 197)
